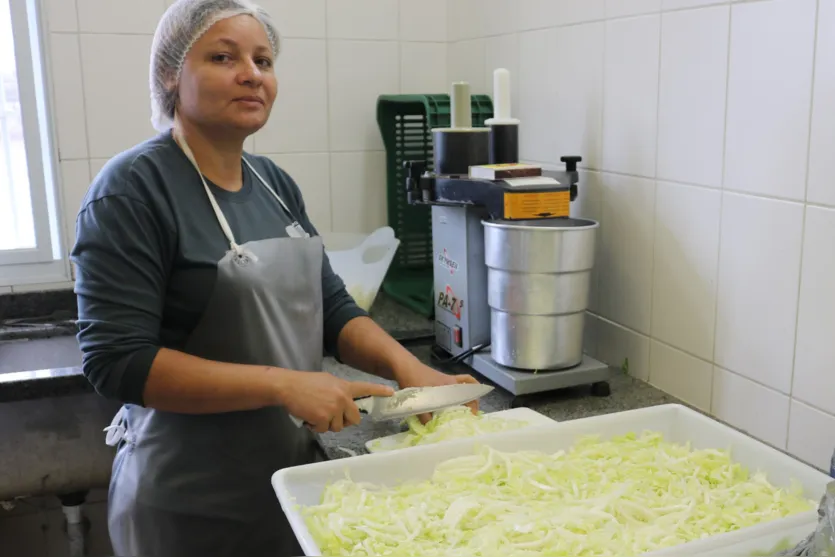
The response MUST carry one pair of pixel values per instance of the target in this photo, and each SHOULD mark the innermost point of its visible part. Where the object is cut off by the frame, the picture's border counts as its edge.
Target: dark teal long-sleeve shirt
(146, 258)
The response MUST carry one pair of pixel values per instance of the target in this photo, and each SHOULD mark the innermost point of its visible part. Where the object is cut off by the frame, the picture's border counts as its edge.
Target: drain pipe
(76, 524)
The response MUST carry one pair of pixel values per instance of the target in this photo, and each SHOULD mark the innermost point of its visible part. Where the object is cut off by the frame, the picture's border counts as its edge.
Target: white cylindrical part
(501, 94)
(462, 110)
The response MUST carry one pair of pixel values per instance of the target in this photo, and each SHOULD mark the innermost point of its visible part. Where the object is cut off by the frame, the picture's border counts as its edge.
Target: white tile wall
(336, 57)
(691, 100)
(811, 435)
(623, 348)
(75, 178)
(757, 410)
(296, 19)
(759, 272)
(104, 16)
(579, 11)
(299, 120)
(537, 95)
(688, 378)
(468, 62)
(423, 20)
(311, 171)
(363, 19)
(359, 71)
(814, 382)
(116, 94)
(502, 51)
(627, 239)
(621, 8)
(821, 187)
(708, 125)
(630, 95)
(686, 267)
(465, 19)
(423, 67)
(578, 66)
(355, 178)
(769, 97)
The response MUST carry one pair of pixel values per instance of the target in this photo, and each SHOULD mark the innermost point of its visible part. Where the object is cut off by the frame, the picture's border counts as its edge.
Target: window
(30, 242)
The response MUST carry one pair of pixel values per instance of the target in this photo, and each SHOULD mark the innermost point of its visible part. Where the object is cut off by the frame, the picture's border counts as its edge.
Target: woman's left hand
(416, 374)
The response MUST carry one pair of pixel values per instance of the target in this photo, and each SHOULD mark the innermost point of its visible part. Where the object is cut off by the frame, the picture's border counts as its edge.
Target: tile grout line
(328, 112)
(654, 211)
(805, 213)
(612, 18)
(690, 354)
(721, 208)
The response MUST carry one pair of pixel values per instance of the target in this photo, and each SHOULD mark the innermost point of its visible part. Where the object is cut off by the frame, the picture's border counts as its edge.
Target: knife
(420, 400)
(416, 400)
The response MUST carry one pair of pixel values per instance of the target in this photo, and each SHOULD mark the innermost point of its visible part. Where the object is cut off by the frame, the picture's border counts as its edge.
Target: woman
(205, 304)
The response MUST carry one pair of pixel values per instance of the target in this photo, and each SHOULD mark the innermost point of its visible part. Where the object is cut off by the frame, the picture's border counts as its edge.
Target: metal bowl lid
(555, 223)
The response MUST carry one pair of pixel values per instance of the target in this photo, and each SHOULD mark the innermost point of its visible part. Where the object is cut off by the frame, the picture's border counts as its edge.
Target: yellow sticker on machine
(531, 205)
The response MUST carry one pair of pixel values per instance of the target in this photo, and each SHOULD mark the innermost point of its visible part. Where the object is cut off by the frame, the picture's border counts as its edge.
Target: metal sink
(37, 354)
(51, 445)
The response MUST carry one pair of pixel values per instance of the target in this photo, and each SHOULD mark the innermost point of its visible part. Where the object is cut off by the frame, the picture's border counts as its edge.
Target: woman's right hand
(323, 401)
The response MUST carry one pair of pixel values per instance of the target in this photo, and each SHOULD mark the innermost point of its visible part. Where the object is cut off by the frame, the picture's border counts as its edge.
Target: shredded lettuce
(624, 496)
(452, 423)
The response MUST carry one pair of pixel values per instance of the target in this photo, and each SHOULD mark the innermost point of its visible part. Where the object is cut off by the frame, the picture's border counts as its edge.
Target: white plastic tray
(763, 543)
(383, 444)
(303, 485)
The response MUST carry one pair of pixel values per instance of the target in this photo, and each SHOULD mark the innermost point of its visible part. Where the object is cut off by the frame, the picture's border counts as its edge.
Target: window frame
(47, 262)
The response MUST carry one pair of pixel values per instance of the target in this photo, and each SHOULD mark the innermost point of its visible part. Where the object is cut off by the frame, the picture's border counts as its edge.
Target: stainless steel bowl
(538, 280)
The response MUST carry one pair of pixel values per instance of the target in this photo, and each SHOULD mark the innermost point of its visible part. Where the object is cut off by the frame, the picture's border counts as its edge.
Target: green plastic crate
(406, 123)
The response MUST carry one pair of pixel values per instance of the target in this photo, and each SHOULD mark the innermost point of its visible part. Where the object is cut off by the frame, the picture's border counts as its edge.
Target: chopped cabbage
(621, 497)
(451, 423)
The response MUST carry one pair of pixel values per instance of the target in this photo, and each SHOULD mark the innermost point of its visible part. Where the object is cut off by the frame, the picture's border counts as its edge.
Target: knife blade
(420, 400)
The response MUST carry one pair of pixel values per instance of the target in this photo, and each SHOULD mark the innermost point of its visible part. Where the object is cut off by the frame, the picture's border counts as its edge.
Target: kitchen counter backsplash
(36, 315)
(48, 314)
(37, 304)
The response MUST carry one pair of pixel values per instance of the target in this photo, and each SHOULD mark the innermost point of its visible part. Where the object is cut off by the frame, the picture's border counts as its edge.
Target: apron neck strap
(224, 224)
(221, 219)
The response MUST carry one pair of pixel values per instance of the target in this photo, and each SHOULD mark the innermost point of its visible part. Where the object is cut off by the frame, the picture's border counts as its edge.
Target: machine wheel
(601, 389)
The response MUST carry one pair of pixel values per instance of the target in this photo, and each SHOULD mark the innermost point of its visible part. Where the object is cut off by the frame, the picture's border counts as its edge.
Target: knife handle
(365, 404)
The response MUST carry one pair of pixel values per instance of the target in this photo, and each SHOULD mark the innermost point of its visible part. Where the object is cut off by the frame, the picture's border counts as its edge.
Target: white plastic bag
(363, 267)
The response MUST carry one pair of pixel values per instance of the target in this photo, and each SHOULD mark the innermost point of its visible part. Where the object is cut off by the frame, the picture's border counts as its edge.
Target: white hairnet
(180, 27)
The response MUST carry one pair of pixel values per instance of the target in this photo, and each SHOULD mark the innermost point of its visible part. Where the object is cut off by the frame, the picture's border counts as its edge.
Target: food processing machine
(512, 269)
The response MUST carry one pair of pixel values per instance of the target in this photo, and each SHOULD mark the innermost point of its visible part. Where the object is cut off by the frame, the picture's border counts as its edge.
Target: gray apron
(199, 485)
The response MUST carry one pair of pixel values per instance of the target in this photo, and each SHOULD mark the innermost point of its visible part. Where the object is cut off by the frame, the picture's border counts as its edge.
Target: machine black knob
(571, 162)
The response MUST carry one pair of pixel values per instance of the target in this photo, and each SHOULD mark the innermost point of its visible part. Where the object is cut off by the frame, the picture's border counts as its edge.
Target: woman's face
(228, 80)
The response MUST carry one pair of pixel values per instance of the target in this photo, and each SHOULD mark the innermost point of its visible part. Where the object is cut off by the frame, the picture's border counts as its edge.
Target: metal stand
(588, 372)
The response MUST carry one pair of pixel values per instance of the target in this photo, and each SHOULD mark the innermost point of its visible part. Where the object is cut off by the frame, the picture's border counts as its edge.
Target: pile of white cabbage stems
(457, 422)
(625, 496)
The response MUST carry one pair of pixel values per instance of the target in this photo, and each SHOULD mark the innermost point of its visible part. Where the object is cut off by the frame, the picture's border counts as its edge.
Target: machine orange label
(532, 205)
